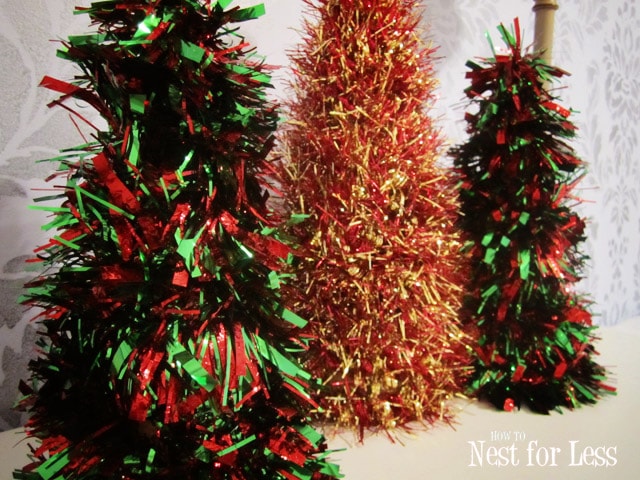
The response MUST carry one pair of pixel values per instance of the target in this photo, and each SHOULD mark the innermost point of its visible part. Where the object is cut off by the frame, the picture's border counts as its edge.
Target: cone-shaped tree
(166, 352)
(380, 254)
(517, 173)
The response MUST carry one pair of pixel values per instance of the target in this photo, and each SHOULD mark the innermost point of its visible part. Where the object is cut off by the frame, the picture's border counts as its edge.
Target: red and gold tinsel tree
(380, 254)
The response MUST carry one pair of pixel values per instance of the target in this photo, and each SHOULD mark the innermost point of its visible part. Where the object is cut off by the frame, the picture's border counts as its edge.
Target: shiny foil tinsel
(518, 174)
(380, 256)
(166, 351)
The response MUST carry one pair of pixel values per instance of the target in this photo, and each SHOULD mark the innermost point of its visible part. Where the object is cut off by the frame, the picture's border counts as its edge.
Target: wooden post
(545, 11)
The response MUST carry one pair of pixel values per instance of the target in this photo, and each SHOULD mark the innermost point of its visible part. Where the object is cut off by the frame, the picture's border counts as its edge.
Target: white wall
(597, 41)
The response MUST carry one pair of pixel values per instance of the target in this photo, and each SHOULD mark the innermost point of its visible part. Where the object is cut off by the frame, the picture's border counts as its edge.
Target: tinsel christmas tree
(517, 176)
(380, 250)
(166, 350)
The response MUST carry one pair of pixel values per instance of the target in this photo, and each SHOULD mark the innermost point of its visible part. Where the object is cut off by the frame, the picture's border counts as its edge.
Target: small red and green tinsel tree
(380, 250)
(166, 350)
(517, 174)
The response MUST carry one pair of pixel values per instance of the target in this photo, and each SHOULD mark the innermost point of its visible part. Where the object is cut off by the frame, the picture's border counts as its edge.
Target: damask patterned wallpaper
(598, 42)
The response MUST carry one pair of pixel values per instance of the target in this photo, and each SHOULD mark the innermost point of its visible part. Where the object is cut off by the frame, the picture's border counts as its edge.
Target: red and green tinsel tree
(166, 350)
(517, 173)
(380, 250)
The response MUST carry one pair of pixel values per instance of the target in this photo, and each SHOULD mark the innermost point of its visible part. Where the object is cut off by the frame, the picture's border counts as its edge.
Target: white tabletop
(592, 442)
